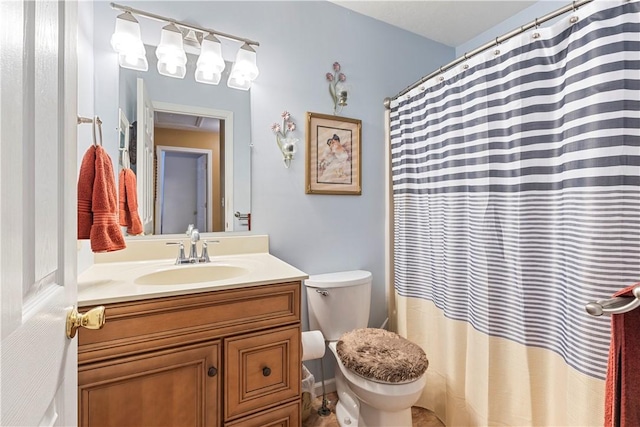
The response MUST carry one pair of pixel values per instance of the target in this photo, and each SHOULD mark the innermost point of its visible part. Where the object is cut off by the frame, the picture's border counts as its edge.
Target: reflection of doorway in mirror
(182, 190)
(189, 190)
(199, 128)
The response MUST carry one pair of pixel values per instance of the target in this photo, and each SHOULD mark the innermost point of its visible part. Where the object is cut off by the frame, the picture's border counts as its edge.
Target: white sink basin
(188, 274)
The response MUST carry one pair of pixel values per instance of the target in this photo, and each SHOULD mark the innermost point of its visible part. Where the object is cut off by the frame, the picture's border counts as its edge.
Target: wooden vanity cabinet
(221, 358)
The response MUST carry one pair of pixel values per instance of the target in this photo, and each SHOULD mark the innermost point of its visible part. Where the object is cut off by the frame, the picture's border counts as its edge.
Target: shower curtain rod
(533, 24)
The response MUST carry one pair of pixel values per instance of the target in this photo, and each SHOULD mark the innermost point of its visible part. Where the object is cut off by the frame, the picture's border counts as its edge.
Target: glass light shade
(210, 63)
(126, 41)
(127, 32)
(172, 60)
(133, 61)
(289, 147)
(244, 69)
(342, 92)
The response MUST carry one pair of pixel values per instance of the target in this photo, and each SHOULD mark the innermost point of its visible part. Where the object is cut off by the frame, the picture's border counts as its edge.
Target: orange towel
(622, 408)
(123, 220)
(128, 202)
(85, 191)
(106, 235)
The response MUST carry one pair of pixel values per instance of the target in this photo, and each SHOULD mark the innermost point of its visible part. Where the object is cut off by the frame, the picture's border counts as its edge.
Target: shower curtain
(516, 200)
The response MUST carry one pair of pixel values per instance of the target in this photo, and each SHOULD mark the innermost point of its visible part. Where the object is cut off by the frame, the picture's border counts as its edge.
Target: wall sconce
(338, 89)
(126, 41)
(287, 144)
(172, 59)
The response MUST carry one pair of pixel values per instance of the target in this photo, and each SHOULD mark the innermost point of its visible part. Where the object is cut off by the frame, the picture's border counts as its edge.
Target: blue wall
(299, 41)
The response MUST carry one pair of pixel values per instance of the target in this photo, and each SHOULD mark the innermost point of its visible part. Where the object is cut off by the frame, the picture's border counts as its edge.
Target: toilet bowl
(338, 305)
(379, 404)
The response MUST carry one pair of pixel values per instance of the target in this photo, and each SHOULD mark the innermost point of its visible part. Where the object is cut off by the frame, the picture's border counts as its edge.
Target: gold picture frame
(333, 155)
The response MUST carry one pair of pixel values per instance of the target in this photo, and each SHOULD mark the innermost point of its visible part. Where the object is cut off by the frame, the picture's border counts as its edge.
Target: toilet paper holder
(313, 345)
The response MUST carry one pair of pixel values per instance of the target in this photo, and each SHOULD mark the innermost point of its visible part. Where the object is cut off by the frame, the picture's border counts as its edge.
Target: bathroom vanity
(225, 352)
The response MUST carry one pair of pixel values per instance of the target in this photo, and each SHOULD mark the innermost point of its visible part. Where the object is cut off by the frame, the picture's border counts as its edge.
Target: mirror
(189, 147)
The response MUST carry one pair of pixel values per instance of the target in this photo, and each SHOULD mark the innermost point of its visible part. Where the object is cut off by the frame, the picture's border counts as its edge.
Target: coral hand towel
(622, 394)
(128, 201)
(106, 235)
(123, 219)
(85, 193)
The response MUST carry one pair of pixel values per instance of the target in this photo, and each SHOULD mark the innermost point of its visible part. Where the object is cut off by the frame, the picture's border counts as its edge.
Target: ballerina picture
(333, 155)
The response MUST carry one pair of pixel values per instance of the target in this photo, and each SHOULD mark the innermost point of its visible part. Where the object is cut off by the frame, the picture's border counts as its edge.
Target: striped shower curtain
(516, 192)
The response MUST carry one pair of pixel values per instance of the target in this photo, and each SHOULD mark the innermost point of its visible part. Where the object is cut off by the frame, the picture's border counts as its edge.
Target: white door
(144, 161)
(179, 201)
(38, 172)
(202, 217)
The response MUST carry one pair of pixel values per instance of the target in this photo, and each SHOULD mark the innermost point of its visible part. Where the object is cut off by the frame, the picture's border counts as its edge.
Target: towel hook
(97, 122)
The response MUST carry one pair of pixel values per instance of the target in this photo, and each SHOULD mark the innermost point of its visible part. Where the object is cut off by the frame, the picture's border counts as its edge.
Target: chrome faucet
(181, 258)
(194, 236)
(193, 253)
(204, 257)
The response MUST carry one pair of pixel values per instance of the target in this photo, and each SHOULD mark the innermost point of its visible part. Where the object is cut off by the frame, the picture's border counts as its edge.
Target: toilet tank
(338, 302)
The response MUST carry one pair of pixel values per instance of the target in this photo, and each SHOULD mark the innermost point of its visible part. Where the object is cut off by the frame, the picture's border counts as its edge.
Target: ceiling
(186, 122)
(449, 22)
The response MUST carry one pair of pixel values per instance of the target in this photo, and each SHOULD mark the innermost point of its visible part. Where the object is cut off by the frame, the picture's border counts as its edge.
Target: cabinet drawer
(284, 416)
(165, 388)
(139, 326)
(261, 370)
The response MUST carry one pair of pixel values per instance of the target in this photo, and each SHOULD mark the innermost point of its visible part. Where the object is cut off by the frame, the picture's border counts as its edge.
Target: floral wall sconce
(338, 89)
(286, 143)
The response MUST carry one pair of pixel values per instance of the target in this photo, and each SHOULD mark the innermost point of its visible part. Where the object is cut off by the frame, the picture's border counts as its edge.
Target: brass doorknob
(92, 319)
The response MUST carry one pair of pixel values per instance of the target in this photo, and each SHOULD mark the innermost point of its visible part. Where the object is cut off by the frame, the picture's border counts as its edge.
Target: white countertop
(108, 282)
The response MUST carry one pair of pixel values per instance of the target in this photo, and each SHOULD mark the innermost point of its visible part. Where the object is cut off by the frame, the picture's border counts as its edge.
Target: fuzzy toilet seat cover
(382, 356)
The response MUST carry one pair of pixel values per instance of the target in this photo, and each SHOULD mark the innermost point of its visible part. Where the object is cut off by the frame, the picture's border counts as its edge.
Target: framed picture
(333, 155)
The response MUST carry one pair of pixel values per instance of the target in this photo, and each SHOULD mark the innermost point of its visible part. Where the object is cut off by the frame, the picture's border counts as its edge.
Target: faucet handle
(190, 229)
(205, 252)
(181, 258)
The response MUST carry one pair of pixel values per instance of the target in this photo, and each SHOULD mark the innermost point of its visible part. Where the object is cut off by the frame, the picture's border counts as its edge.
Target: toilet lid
(381, 356)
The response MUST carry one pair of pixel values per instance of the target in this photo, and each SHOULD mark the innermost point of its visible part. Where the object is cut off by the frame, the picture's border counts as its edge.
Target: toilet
(379, 374)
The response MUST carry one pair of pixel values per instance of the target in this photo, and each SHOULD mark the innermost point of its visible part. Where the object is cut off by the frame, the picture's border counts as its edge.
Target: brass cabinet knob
(92, 319)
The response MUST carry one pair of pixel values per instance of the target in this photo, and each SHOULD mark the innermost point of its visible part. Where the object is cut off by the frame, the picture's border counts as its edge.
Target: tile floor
(421, 417)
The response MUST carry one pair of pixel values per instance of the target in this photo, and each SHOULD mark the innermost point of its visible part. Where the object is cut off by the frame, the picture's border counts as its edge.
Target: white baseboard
(329, 385)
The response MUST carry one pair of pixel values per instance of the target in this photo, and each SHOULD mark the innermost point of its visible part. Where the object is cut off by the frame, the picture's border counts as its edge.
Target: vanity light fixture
(244, 70)
(210, 63)
(172, 59)
(127, 43)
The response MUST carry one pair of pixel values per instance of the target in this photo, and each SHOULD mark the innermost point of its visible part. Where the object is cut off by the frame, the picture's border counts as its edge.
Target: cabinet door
(177, 387)
(262, 370)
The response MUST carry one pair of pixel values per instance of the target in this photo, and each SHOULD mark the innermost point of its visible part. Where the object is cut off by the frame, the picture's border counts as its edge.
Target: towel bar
(88, 120)
(244, 217)
(95, 121)
(616, 305)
